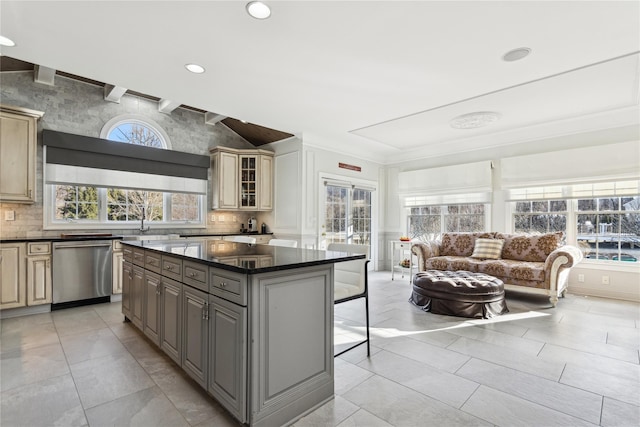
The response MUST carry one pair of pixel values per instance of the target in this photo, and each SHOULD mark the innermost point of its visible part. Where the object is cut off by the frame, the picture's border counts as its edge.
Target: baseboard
(625, 296)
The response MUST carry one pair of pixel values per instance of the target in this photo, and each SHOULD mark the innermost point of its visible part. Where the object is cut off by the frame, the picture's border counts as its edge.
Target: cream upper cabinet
(12, 271)
(18, 137)
(242, 179)
(224, 173)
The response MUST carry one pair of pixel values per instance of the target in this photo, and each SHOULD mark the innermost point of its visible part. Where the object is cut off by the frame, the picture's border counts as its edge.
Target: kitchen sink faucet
(142, 229)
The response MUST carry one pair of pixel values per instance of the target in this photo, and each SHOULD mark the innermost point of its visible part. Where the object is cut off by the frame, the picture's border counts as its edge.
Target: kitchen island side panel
(291, 355)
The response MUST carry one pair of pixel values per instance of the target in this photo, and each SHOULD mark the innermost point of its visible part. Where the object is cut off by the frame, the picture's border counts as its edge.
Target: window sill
(103, 226)
(622, 266)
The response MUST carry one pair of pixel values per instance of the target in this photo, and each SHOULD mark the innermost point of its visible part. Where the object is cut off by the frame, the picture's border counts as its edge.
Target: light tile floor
(577, 364)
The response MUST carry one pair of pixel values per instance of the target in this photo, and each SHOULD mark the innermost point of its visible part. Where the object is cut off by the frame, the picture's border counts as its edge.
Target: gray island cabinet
(251, 324)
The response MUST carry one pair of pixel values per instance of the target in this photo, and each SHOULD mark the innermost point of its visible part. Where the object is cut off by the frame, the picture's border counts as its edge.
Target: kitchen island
(252, 324)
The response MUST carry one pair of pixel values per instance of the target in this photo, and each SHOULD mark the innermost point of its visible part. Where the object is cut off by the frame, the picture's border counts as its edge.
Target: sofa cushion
(528, 247)
(461, 244)
(487, 248)
(511, 269)
(452, 263)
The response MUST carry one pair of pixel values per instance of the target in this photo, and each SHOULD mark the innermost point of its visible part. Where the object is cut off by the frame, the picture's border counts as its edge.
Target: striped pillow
(488, 248)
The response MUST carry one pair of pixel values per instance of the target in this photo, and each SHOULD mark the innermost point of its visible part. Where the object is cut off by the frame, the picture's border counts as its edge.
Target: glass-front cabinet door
(248, 173)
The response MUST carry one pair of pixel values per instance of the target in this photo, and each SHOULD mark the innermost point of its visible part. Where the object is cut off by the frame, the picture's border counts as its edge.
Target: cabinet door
(18, 157)
(248, 182)
(39, 280)
(265, 190)
(151, 306)
(137, 295)
(225, 185)
(195, 338)
(228, 355)
(171, 318)
(116, 276)
(12, 272)
(127, 278)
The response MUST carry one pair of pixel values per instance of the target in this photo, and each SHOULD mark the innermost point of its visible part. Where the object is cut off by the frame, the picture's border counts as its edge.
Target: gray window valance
(84, 151)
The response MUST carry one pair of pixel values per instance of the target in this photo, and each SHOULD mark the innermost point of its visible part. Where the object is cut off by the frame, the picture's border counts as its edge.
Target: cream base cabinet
(12, 272)
(18, 137)
(39, 280)
(39, 289)
(116, 274)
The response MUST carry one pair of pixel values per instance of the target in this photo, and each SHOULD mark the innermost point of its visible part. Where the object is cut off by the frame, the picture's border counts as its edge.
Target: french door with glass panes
(347, 215)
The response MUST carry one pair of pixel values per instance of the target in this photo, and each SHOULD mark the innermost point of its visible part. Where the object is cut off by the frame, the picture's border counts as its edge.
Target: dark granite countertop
(243, 257)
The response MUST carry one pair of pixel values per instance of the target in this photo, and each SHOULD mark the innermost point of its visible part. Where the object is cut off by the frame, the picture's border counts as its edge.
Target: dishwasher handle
(76, 245)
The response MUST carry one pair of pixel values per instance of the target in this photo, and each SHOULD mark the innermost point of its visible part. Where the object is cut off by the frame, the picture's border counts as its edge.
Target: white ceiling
(380, 80)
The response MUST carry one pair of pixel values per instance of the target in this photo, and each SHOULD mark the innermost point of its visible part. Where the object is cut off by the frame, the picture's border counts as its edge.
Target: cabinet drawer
(195, 274)
(172, 267)
(152, 261)
(38, 248)
(138, 256)
(227, 286)
(127, 253)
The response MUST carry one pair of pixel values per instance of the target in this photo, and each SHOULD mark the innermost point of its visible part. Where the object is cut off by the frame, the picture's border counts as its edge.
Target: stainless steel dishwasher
(81, 273)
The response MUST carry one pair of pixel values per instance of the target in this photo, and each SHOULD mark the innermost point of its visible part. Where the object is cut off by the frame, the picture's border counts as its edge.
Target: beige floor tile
(624, 389)
(28, 336)
(148, 407)
(107, 378)
(90, 345)
(426, 379)
(503, 409)
(77, 320)
(620, 414)
(330, 414)
(402, 406)
(508, 357)
(20, 367)
(51, 402)
(569, 400)
(190, 400)
(363, 418)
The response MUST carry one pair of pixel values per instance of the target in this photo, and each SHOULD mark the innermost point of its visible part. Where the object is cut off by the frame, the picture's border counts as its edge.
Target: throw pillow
(488, 248)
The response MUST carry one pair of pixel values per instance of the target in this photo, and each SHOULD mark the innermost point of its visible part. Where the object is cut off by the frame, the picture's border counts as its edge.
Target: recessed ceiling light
(258, 10)
(474, 120)
(195, 68)
(5, 41)
(516, 54)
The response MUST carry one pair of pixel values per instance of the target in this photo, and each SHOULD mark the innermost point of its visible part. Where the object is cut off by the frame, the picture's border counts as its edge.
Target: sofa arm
(424, 251)
(566, 256)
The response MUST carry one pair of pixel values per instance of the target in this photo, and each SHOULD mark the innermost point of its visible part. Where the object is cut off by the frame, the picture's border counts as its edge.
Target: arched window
(134, 129)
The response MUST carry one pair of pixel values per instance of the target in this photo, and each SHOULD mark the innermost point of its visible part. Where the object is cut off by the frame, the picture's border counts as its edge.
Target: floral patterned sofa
(532, 263)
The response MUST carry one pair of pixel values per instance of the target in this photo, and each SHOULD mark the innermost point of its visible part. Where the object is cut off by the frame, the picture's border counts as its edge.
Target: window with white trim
(437, 219)
(602, 219)
(123, 207)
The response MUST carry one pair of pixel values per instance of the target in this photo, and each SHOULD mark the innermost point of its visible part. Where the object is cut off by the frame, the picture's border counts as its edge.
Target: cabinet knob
(192, 274)
(168, 267)
(223, 284)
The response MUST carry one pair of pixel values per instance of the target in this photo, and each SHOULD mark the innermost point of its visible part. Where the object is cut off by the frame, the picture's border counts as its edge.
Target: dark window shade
(85, 151)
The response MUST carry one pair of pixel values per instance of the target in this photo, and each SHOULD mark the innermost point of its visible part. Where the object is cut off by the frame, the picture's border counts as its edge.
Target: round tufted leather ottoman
(459, 293)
